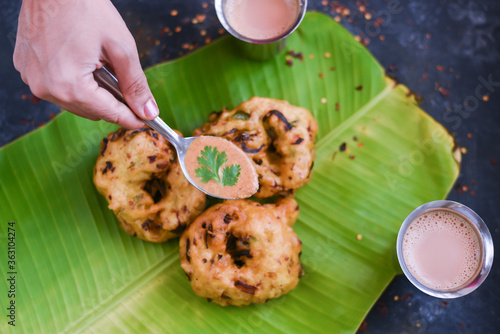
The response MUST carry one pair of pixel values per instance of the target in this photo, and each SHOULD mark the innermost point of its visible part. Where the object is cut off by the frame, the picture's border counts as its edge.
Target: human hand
(60, 43)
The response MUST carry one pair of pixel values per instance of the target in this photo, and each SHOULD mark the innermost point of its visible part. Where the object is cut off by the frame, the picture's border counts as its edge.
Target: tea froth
(442, 250)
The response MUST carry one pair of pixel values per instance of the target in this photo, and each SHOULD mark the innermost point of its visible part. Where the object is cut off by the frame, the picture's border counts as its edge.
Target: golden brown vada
(138, 173)
(241, 252)
(277, 136)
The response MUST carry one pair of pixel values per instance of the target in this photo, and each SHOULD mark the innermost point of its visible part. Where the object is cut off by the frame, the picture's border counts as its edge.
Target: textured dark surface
(442, 50)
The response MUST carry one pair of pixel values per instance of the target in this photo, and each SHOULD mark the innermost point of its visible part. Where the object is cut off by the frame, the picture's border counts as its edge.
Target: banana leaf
(378, 157)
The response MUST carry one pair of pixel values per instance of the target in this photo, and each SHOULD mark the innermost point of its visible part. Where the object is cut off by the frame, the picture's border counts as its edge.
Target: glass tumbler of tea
(445, 249)
(260, 26)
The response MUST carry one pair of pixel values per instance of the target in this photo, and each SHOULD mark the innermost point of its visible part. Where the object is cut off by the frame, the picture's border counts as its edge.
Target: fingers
(88, 100)
(124, 59)
(98, 102)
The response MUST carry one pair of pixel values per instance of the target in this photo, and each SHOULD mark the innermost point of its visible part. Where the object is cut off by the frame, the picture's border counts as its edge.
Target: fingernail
(151, 109)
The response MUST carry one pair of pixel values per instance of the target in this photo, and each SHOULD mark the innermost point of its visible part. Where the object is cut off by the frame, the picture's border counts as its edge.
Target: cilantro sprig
(211, 161)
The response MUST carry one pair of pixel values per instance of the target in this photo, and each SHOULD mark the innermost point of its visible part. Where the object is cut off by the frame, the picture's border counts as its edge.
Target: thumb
(133, 82)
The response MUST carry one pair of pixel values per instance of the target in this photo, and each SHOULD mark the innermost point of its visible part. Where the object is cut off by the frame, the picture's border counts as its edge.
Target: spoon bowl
(108, 81)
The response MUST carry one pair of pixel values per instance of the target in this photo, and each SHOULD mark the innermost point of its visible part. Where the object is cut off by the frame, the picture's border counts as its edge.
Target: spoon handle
(108, 81)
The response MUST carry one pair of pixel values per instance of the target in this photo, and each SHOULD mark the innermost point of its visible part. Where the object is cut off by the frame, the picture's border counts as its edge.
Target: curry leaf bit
(210, 161)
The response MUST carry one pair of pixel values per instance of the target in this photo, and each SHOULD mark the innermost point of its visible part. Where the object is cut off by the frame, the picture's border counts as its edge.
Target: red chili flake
(321, 75)
(288, 61)
(332, 68)
(444, 303)
(201, 17)
(473, 193)
(459, 191)
(164, 30)
(337, 106)
(294, 54)
(33, 99)
(221, 31)
(440, 68)
(494, 162)
(360, 87)
(425, 75)
(174, 12)
(352, 157)
(406, 296)
(462, 326)
(363, 326)
(382, 309)
(469, 135)
(360, 144)
(178, 29)
(392, 68)
(52, 115)
(41, 124)
(444, 91)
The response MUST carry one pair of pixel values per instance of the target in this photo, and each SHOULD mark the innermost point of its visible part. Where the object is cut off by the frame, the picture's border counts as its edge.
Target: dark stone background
(440, 49)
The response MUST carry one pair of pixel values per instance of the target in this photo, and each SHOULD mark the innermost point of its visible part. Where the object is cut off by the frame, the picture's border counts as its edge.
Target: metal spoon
(108, 81)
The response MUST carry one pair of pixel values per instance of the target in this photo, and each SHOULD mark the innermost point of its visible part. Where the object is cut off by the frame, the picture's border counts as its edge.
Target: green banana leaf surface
(378, 157)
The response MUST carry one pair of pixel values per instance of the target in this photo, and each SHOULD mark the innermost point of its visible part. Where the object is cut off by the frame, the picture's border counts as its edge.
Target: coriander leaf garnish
(210, 161)
(230, 175)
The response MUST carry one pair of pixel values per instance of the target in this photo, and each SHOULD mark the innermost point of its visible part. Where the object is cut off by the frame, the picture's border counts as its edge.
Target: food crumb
(311, 56)
(327, 55)
(174, 12)
(444, 91)
(323, 100)
(486, 98)
(396, 298)
(469, 135)
(359, 237)
(363, 326)
(463, 150)
(321, 75)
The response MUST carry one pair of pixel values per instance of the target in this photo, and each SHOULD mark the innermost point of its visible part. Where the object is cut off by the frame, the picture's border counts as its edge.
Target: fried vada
(241, 252)
(277, 136)
(138, 173)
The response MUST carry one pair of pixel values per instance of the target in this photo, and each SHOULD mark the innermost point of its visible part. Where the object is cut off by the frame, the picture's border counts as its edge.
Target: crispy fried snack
(138, 173)
(242, 252)
(278, 137)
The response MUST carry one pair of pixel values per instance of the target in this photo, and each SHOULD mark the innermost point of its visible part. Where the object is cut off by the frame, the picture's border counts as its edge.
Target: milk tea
(442, 250)
(261, 19)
